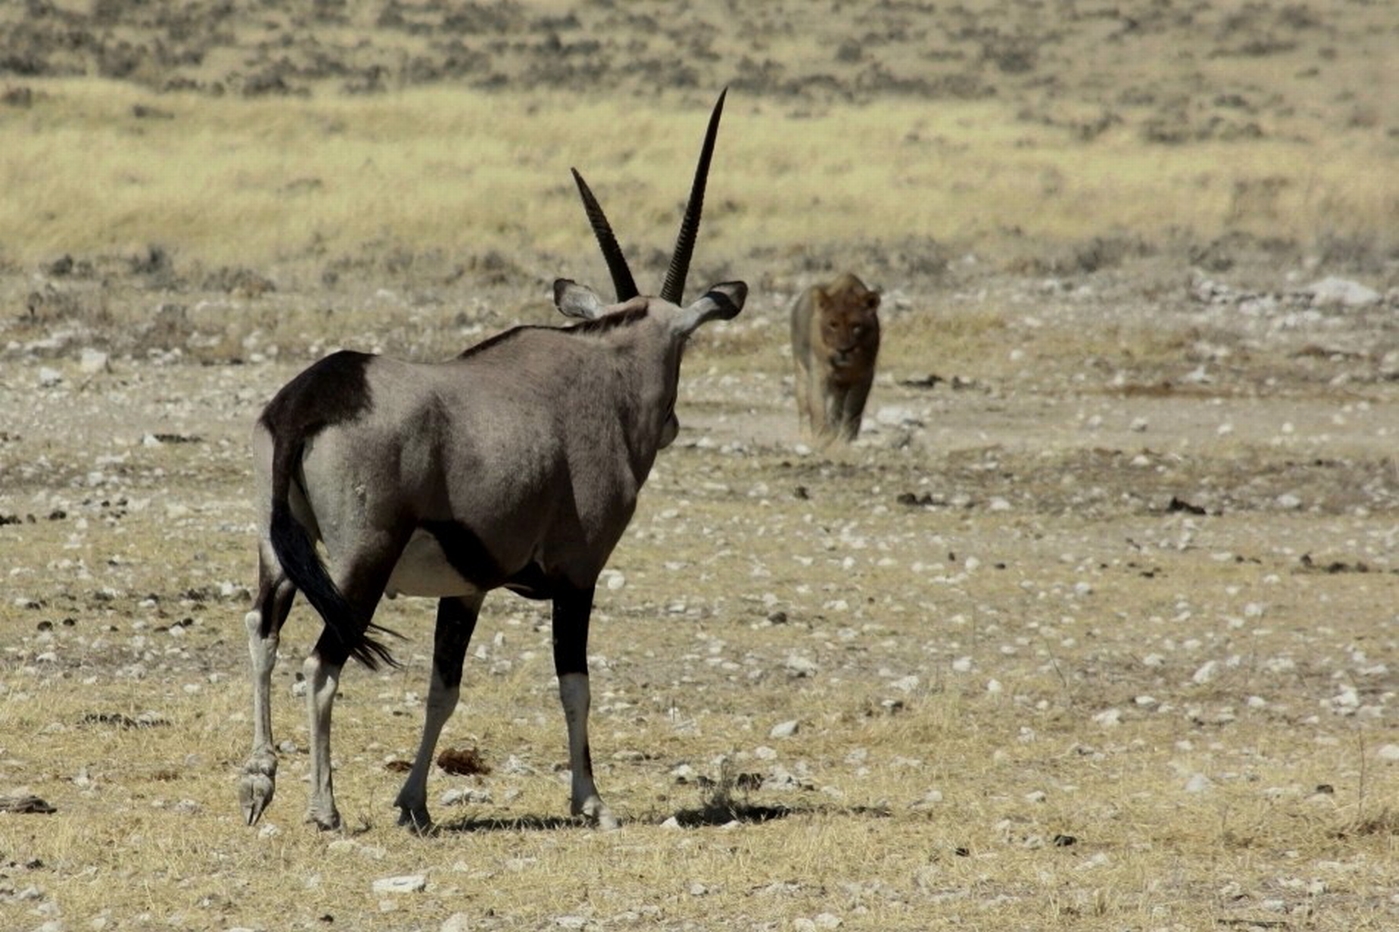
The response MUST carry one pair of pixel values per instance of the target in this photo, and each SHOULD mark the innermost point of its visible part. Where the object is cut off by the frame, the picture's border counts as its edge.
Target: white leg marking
(259, 779)
(577, 698)
(322, 681)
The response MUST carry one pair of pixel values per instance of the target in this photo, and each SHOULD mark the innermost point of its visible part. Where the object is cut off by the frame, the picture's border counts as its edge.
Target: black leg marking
(456, 621)
(572, 609)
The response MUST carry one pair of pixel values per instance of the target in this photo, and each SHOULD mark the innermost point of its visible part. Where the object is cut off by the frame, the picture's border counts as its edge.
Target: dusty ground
(1095, 627)
(1104, 639)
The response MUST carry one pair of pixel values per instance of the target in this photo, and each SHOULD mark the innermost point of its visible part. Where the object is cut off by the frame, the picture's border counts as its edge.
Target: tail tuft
(297, 553)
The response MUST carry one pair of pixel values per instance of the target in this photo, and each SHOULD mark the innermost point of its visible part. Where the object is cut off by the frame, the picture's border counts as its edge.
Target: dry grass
(1044, 816)
(231, 181)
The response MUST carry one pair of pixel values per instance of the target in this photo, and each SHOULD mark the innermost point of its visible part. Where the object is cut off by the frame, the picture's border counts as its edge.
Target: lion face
(849, 322)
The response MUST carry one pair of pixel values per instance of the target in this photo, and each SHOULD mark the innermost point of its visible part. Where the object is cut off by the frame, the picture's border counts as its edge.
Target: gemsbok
(515, 465)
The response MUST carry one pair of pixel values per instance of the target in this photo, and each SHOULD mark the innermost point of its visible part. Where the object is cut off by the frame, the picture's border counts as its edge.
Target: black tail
(296, 552)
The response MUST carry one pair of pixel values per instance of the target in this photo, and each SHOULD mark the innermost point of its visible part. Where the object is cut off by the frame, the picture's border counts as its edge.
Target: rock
(799, 666)
(927, 800)
(1340, 292)
(457, 922)
(26, 804)
(784, 729)
(48, 378)
(1109, 718)
(407, 883)
(1198, 783)
(93, 361)
(897, 416)
(1207, 672)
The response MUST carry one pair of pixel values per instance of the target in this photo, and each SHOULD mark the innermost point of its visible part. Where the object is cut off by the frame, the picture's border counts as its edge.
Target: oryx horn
(616, 262)
(674, 288)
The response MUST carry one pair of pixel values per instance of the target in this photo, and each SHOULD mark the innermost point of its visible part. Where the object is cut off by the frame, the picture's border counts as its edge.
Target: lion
(835, 339)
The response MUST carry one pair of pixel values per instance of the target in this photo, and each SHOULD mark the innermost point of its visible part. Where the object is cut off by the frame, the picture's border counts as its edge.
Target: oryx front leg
(571, 613)
(264, 624)
(456, 620)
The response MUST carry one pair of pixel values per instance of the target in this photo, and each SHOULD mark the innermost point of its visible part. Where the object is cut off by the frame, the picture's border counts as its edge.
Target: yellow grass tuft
(249, 181)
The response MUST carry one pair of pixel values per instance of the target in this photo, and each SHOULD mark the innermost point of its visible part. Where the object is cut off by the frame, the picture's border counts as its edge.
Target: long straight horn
(616, 262)
(674, 288)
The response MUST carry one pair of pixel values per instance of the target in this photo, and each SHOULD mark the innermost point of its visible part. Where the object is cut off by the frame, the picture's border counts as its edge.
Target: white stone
(406, 883)
(1207, 672)
(92, 361)
(457, 922)
(896, 416)
(1198, 783)
(928, 799)
(1340, 292)
(1109, 718)
(784, 729)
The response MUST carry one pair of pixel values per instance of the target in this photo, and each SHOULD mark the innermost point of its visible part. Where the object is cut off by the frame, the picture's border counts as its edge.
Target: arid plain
(1094, 627)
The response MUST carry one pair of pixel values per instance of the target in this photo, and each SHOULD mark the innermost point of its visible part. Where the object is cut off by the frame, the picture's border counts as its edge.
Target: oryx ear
(575, 300)
(721, 302)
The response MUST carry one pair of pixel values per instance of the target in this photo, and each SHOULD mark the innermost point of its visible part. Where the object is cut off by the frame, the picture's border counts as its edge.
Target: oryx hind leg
(456, 620)
(264, 624)
(572, 610)
(362, 583)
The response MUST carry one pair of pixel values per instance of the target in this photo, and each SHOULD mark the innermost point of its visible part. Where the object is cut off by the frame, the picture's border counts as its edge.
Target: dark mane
(598, 325)
(609, 321)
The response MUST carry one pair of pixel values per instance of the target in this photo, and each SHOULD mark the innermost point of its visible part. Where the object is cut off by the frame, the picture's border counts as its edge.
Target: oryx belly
(424, 570)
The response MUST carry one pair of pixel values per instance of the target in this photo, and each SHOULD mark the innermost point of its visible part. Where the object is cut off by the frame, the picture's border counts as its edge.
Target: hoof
(597, 815)
(326, 822)
(256, 788)
(416, 820)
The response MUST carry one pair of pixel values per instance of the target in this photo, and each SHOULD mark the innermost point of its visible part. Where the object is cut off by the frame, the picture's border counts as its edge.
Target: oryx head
(669, 322)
